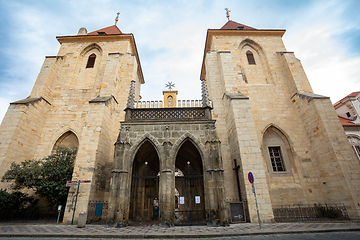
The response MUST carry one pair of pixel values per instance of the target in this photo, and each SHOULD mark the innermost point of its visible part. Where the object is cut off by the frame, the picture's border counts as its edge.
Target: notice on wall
(197, 199)
(182, 200)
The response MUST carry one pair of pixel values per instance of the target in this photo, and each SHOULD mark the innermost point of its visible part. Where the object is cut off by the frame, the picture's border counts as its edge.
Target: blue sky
(170, 37)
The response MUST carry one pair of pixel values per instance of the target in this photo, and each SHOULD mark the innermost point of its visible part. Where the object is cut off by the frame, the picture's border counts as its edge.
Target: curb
(151, 236)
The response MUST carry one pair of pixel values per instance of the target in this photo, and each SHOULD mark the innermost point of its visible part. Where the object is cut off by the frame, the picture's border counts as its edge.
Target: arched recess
(256, 71)
(87, 75)
(277, 152)
(67, 140)
(145, 183)
(189, 185)
(355, 143)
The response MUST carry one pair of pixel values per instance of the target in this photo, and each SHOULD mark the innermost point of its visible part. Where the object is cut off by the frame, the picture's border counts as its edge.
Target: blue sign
(251, 177)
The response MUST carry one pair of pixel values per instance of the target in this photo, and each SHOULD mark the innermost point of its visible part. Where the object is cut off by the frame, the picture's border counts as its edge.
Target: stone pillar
(119, 201)
(214, 180)
(167, 183)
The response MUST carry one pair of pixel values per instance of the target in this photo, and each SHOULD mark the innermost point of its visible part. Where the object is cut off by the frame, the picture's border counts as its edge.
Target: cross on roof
(170, 85)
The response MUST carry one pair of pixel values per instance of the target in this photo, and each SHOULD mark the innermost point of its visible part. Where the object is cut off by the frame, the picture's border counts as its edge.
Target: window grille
(276, 158)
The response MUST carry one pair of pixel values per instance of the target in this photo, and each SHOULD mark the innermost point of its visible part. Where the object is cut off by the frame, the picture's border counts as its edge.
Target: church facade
(185, 162)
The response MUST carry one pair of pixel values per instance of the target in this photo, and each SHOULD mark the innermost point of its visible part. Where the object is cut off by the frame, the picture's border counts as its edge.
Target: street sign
(71, 183)
(251, 177)
(85, 181)
(251, 180)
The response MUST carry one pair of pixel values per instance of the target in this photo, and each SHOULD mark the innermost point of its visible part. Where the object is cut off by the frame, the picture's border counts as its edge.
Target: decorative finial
(131, 99)
(117, 18)
(227, 13)
(170, 85)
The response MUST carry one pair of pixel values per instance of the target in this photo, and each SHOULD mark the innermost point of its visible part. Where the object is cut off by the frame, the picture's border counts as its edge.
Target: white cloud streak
(170, 37)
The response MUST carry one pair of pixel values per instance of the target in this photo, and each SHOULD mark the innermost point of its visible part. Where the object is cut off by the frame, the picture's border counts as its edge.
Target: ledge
(30, 100)
(310, 96)
(232, 96)
(99, 99)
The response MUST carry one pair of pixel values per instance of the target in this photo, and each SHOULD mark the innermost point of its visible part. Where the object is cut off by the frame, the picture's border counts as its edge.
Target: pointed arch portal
(145, 184)
(189, 186)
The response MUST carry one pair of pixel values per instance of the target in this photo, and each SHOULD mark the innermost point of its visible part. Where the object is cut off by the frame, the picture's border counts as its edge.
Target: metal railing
(316, 212)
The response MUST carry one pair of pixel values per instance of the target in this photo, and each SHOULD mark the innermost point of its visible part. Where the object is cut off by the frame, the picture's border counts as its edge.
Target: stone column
(214, 180)
(167, 183)
(119, 201)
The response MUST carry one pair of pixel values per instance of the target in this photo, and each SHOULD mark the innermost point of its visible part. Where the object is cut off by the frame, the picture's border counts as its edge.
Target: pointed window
(91, 61)
(250, 58)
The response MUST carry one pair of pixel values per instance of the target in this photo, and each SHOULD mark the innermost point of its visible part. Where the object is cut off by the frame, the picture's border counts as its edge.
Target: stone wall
(248, 100)
(86, 101)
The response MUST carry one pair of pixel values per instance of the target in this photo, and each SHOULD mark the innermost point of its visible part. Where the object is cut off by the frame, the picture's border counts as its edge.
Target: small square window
(276, 158)
(348, 114)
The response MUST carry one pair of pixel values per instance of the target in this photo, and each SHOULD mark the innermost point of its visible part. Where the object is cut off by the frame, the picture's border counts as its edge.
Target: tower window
(277, 161)
(91, 61)
(250, 58)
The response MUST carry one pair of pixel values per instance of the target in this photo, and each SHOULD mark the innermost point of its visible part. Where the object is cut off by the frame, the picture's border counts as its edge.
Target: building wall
(86, 101)
(248, 99)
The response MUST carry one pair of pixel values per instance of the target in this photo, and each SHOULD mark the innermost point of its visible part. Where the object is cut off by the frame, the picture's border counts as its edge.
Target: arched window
(91, 61)
(355, 143)
(67, 140)
(277, 151)
(250, 58)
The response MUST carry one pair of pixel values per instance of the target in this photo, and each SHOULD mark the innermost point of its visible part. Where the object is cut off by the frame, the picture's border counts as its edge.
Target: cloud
(170, 37)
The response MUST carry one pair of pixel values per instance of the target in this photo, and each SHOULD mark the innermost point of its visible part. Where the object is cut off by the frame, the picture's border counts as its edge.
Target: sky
(170, 38)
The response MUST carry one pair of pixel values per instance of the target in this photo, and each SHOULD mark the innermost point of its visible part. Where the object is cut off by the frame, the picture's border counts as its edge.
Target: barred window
(277, 161)
(91, 61)
(250, 58)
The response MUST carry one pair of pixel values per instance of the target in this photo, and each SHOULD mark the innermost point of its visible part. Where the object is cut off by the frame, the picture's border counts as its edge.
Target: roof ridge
(113, 29)
(232, 25)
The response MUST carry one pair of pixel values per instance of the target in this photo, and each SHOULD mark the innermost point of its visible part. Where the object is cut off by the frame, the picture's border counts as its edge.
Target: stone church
(185, 162)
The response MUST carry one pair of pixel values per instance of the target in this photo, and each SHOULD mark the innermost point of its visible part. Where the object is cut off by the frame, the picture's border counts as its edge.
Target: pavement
(157, 231)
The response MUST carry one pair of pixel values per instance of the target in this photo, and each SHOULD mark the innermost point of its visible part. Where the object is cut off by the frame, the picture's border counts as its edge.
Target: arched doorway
(145, 184)
(189, 186)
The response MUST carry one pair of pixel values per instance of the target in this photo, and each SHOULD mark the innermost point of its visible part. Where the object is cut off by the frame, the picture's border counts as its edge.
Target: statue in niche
(170, 101)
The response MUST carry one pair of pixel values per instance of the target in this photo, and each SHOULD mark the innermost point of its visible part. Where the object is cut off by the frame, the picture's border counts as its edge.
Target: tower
(271, 123)
(77, 101)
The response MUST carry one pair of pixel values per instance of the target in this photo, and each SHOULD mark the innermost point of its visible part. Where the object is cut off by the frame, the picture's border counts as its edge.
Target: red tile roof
(354, 94)
(231, 25)
(108, 31)
(347, 122)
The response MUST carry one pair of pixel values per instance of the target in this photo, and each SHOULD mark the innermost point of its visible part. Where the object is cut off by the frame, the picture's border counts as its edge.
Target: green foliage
(47, 177)
(16, 204)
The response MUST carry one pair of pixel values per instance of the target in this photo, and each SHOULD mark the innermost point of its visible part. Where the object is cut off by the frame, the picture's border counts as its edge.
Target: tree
(46, 177)
(16, 204)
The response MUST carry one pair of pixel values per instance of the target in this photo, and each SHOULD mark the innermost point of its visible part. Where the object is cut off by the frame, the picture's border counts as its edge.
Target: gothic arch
(87, 77)
(252, 44)
(188, 136)
(66, 139)
(145, 168)
(277, 151)
(146, 137)
(91, 47)
(258, 73)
